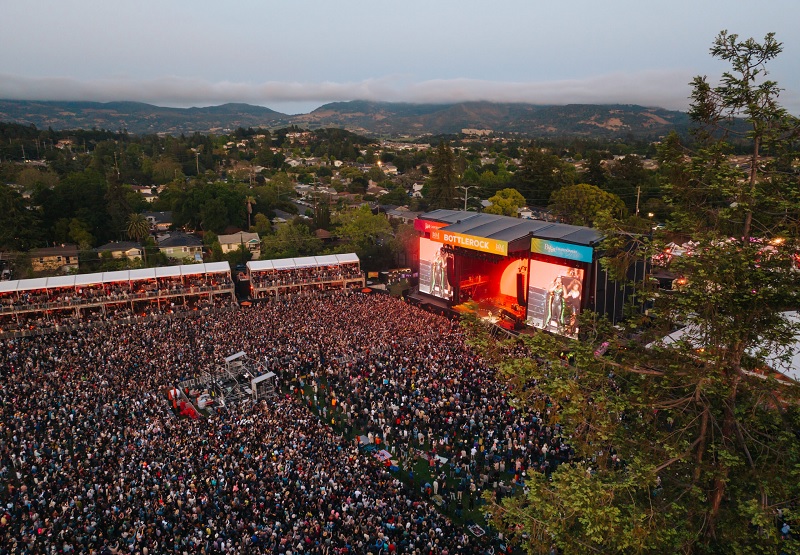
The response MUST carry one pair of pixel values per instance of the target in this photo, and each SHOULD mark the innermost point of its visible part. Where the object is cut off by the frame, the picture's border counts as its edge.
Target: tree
(118, 207)
(290, 240)
(744, 92)
(595, 173)
(581, 204)
(690, 447)
(138, 228)
(627, 179)
(262, 224)
(250, 201)
(19, 226)
(441, 187)
(541, 173)
(366, 234)
(506, 203)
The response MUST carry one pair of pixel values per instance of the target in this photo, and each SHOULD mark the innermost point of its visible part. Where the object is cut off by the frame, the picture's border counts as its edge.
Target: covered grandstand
(51, 298)
(271, 278)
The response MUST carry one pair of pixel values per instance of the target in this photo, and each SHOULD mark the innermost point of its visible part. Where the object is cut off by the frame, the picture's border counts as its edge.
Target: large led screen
(555, 296)
(433, 269)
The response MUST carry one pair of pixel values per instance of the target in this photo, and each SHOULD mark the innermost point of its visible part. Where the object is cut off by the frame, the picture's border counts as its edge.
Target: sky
(294, 56)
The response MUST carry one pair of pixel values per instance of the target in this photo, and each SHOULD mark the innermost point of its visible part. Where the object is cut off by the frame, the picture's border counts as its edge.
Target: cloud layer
(653, 88)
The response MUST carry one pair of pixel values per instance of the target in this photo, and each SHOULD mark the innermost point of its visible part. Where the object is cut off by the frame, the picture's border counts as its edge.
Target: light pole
(466, 189)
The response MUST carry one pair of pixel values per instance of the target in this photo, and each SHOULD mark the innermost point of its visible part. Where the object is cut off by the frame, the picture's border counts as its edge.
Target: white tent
(168, 271)
(31, 284)
(142, 274)
(60, 281)
(217, 268)
(88, 279)
(260, 265)
(789, 367)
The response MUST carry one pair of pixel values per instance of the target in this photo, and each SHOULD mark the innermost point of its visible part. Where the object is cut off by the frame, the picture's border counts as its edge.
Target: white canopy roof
(348, 257)
(6, 286)
(119, 275)
(283, 263)
(327, 260)
(142, 273)
(217, 267)
(115, 276)
(301, 262)
(233, 357)
(192, 269)
(60, 281)
(261, 378)
(88, 279)
(31, 284)
(259, 265)
(305, 262)
(168, 271)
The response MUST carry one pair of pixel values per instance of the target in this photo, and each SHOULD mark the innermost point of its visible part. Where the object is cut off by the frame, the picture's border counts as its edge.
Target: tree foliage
(764, 190)
(441, 187)
(541, 173)
(688, 447)
(505, 203)
(581, 204)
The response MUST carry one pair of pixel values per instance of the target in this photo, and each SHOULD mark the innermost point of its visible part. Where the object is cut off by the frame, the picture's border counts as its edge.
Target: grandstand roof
(301, 262)
(112, 277)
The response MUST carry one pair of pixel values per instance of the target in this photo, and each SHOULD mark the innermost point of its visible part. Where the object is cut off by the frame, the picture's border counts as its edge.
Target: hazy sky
(293, 56)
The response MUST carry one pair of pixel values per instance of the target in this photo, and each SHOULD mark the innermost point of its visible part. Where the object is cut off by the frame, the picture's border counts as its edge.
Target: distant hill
(601, 121)
(364, 117)
(139, 118)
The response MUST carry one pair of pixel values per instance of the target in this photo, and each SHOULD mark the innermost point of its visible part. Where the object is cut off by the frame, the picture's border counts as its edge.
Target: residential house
(63, 258)
(525, 213)
(402, 214)
(376, 190)
(147, 191)
(159, 221)
(121, 249)
(251, 242)
(281, 217)
(181, 246)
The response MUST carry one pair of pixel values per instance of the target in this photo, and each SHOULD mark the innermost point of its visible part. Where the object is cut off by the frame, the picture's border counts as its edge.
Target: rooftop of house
(63, 250)
(179, 239)
(118, 246)
(240, 237)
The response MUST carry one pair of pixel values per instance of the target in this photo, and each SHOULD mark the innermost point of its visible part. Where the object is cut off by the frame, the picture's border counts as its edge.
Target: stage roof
(506, 228)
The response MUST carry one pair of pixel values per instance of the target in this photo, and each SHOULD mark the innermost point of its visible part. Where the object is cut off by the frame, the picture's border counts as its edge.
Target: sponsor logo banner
(425, 226)
(472, 242)
(568, 251)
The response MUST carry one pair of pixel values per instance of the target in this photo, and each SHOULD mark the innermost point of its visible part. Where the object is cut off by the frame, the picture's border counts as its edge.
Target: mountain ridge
(371, 118)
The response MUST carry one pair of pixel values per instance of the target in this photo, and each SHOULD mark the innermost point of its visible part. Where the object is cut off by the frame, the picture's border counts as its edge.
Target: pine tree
(442, 182)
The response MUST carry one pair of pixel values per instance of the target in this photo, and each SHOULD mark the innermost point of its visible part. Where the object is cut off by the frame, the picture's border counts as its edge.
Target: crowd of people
(299, 276)
(70, 317)
(94, 460)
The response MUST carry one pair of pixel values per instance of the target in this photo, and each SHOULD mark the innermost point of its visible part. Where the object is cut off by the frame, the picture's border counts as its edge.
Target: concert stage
(508, 271)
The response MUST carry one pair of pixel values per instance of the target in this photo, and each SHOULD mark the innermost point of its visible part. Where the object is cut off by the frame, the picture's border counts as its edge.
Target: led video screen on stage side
(555, 295)
(433, 269)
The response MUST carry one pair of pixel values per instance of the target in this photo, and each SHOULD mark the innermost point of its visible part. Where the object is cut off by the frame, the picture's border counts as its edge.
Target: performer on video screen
(439, 284)
(573, 305)
(555, 304)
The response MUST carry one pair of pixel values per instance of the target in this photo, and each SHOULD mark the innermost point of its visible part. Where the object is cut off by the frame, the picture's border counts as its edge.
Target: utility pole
(466, 189)
(638, 191)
